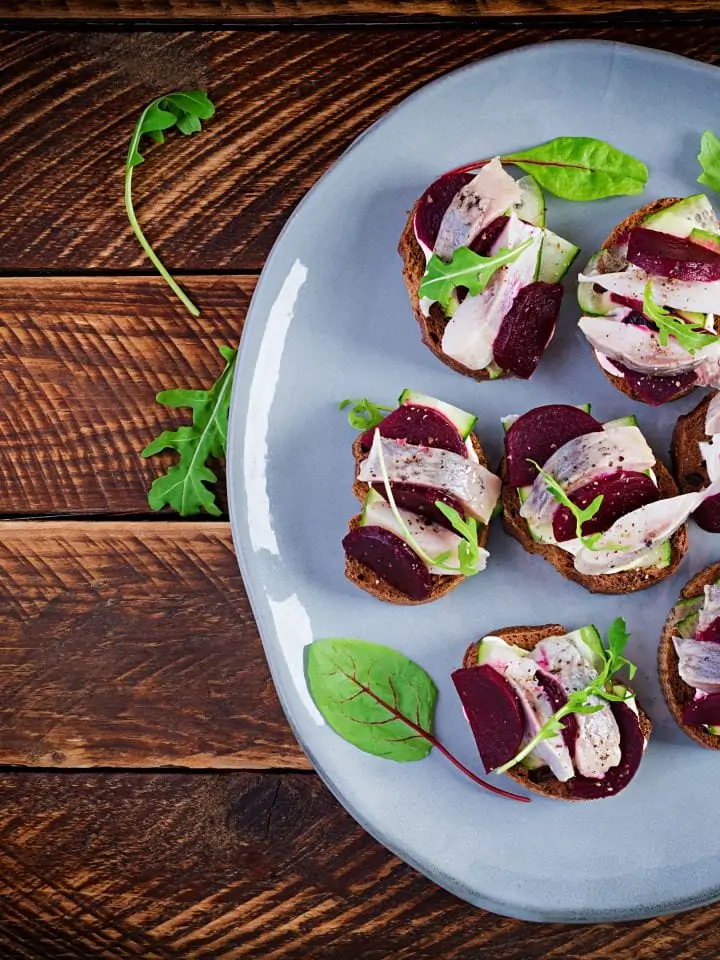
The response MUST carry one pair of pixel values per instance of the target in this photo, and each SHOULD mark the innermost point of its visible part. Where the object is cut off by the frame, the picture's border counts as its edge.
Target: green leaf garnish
(709, 158)
(689, 336)
(582, 168)
(363, 414)
(582, 515)
(183, 487)
(468, 549)
(380, 701)
(183, 110)
(600, 686)
(466, 269)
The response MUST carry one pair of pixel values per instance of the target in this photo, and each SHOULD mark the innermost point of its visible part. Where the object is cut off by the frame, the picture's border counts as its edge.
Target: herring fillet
(487, 196)
(472, 484)
(583, 459)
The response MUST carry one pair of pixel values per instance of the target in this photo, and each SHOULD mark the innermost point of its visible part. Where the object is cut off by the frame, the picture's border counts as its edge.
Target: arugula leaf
(709, 158)
(466, 269)
(363, 414)
(689, 336)
(582, 515)
(183, 487)
(578, 702)
(468, 550)
(379, 700)
(184, 110)
(581, 168)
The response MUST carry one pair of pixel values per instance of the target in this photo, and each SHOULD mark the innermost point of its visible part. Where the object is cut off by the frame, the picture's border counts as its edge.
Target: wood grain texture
(289, 102)
(131, 644)
(82, 362)
(363, 10)
(243, 866)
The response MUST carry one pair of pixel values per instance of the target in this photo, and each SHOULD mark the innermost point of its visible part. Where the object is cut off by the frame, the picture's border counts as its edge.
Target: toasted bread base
(626, 581)
(432, 326)
(360, 573)
(677, 693)
(688, 465)
(615, 239)
(541, 780)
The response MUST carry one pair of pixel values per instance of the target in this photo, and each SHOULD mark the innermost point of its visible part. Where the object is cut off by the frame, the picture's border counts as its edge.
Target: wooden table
(154, 802)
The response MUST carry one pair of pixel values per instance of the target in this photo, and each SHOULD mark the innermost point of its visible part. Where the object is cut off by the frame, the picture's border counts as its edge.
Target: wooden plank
(298, 10)
(133, 645)
(244, 866)
(289, 102)
(82, 362)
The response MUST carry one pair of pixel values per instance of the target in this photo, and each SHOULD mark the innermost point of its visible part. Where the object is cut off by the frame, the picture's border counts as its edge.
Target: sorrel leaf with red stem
(378, 700)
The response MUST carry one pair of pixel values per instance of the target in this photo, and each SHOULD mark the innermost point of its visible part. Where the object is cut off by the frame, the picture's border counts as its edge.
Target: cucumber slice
(587, 407)
(523, 494)
(687, 627)
(508, 421)
(591, 302)
(531, 762)
(688, 605)
(531, 207)
(683, 217)
(461, 419)
(494, 371)
(711, 241)
(664, 554)
(495, 648)
(630, 421)
(714, 730)
(556, 257)
(588, 643)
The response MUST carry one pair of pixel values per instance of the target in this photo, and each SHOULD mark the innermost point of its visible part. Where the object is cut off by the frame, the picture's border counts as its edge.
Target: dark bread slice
(688, 465)
(615, 239)
(365, 578)
(432, 326)
(627, 581)
(540, 781)
(677, 693)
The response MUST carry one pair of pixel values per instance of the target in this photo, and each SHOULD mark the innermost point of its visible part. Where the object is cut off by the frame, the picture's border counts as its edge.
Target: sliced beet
(635, 305)
(664, 255)
(704, 710)
(419, 499)
(536, 435)
(483, 242)
(711, 633)
(391, 559)
(527, 328)
(632, 745)
(622, 492)
(707, 515)
(434, 202)
(421, 427)
(638, 319)
(657, 390)
(555, 692)
(494, 713)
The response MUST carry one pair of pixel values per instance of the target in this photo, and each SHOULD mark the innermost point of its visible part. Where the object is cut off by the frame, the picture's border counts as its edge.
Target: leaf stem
(433, 741)
(142, 240)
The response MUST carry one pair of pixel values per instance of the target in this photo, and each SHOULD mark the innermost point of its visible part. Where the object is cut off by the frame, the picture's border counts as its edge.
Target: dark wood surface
(127, 639)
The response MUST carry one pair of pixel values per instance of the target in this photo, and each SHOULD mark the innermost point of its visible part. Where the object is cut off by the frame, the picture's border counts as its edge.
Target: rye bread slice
(688, 465)
(677, 693)
(615, 239)
(432, 326)
(627, 581)
(365, 578)
(541, 780)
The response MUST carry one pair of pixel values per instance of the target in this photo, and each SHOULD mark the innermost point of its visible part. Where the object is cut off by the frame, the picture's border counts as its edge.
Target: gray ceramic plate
(330, 319)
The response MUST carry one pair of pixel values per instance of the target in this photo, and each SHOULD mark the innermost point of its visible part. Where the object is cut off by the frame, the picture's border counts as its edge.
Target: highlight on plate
(427, 499)
(651, 301)
(592, 499)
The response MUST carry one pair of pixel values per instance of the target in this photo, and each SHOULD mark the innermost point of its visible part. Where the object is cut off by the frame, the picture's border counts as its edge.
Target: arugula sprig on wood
(580, 702)
(184, 486)
(183, 111)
